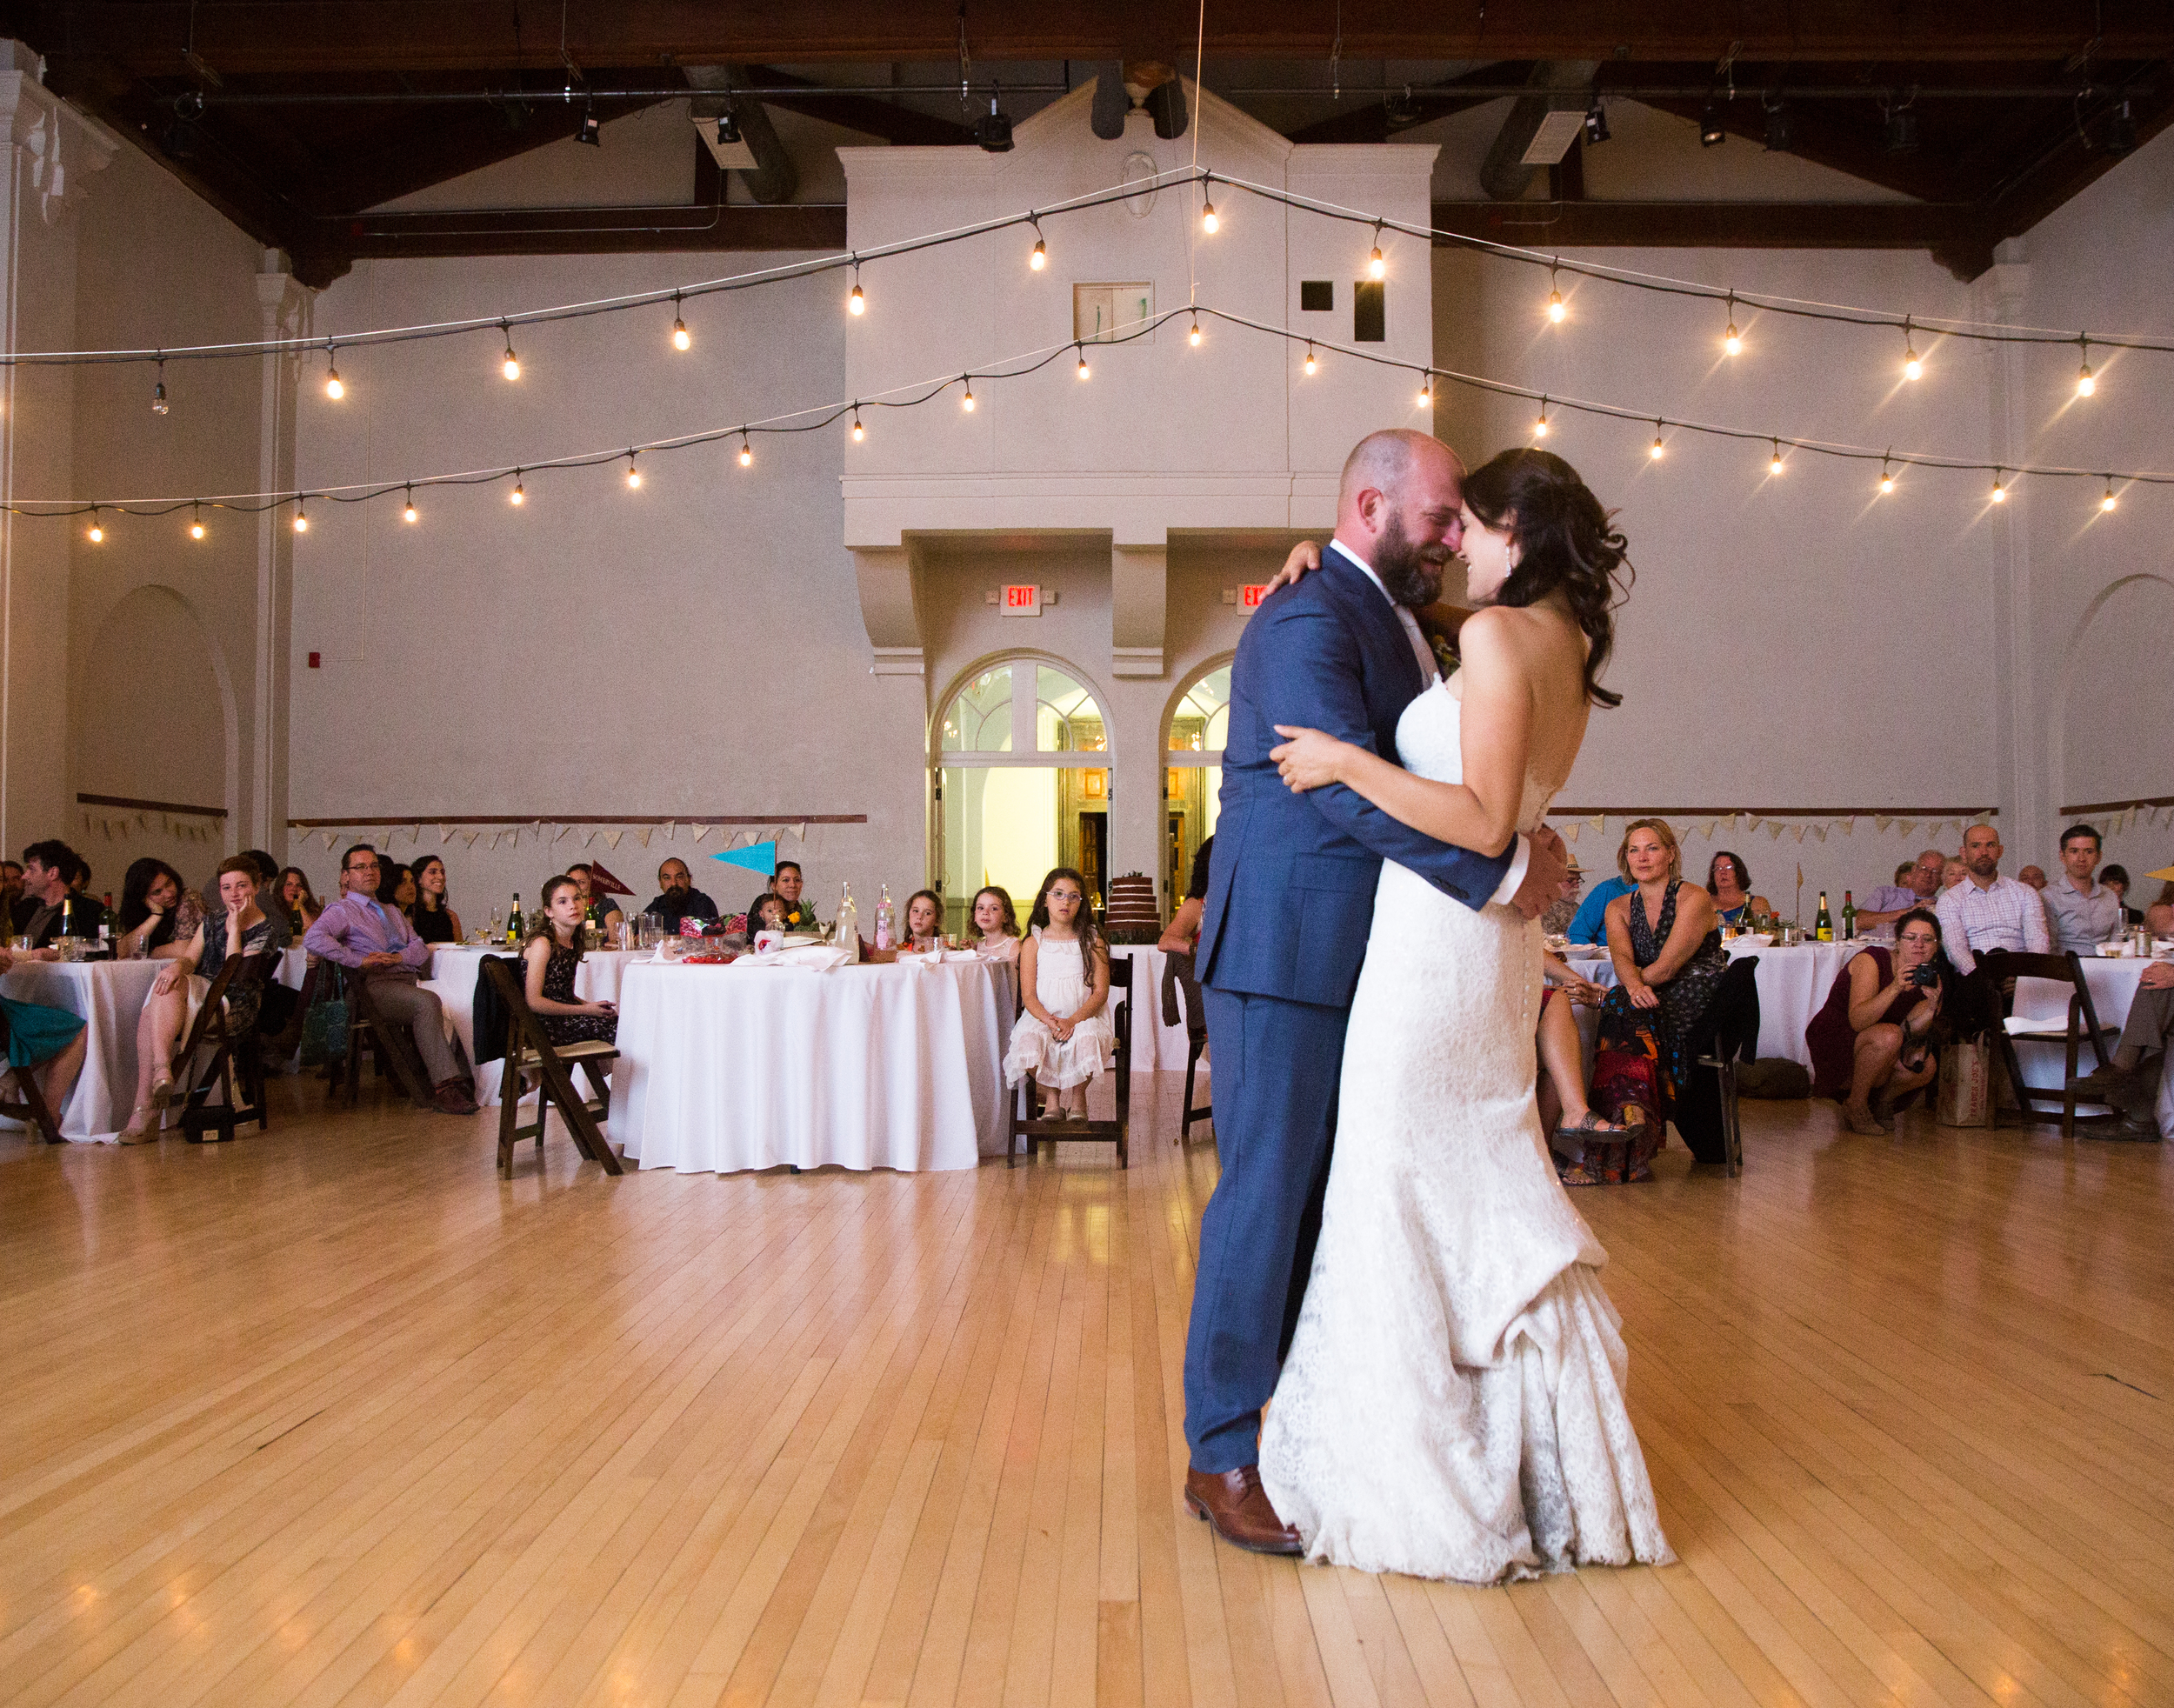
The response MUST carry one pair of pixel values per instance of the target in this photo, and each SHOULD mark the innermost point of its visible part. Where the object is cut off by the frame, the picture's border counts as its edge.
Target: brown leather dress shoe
(451, 1099)
(1237, 1504)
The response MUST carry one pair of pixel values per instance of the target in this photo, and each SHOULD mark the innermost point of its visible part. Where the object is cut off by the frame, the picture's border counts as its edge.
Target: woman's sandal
(161, 1090)
(1591, 1127)
(139, 1130)
(1867, 1124)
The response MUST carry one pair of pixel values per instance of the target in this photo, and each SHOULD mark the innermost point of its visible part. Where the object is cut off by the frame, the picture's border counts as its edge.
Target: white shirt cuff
(1513, 880)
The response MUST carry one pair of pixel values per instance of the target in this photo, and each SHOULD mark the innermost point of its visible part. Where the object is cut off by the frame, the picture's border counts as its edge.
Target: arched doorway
(1193, 736)
(1022, 784)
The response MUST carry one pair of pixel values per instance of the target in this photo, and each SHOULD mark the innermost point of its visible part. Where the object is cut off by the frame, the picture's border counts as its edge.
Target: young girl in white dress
(1064, 1038)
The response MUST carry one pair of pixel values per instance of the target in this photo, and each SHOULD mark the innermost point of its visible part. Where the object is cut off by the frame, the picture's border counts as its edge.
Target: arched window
(1193, 777)
(1007, 811)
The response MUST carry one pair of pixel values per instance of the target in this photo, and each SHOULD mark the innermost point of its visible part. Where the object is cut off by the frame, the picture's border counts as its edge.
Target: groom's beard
(1411, 574)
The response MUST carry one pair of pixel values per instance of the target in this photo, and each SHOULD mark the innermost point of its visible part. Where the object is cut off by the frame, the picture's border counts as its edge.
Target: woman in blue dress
(44, 1045)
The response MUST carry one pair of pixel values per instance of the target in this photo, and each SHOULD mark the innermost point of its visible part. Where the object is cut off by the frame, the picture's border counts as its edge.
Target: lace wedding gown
(1453, 1403)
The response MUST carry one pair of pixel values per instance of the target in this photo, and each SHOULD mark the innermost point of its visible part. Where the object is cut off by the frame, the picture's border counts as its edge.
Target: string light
(682, 339)
(1426, 388)
(301, 515)
(408, 514)
(859, 431)
(967, 402)
(2084, 383)
(158, 390)
(1775, 467)
(1558, 310)
(1193, 338)
(334, 387)
(857, 303)
(1657, 450)
(747, 453)
(1311, 365)
(2108, 501)
(1999, 493)
(98, 535)
(1208, 222)
(196, 522)
(1732, 340)
(1040, 258)
(519, 496)
(512, 363)
(1082, 360)
(1886, 476)
(1540, 427)
(1912, 366)
(1375, 266)
(633, 474)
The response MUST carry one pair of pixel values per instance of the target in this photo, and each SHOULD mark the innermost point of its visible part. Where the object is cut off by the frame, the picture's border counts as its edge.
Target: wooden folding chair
(530, 1051)
(1733, 1019)
(235, 1068)
(27, 1106)
(1999, 966)
(1024, 1126)
(1181, 989)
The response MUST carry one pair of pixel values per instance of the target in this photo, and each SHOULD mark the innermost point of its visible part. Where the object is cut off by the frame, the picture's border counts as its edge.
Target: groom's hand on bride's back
(1544, 874)
(1304, 555)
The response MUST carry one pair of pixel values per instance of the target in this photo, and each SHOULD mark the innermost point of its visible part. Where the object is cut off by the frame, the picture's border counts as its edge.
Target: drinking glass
(925, 945)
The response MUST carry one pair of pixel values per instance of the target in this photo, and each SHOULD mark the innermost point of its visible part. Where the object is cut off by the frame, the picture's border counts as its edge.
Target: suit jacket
(1290, 887)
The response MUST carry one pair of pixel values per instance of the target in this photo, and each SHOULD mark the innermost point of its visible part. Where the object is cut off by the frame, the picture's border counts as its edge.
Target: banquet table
(1792, 984)
(110, 994)
(746, 1066)
(455, 967)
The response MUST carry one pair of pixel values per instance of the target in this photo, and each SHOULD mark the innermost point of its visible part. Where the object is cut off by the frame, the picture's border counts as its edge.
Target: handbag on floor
(1966, 1085)
(324, 1030)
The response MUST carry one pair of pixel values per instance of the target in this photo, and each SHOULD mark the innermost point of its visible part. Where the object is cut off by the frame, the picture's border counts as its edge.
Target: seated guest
(1570, 1120)
(1916, 885)
(1952, 872)
(2116, 879)
(50, 908)
(925, 916)
(1589, 923)
(2031, 877)
(366, 937)
(1873, 1043)
(434, 921)
(608, 914)
(786, 882)
(1729, 882)
(267, 871)
(765, 913)
(2159, 917)
(45, 1044)
(996, 924)
(551, 961)
(2131, 1080)
(1556, 922)
(677, 899)
(79, 879)
(396, 887)
(1989, 912)
(1183, 929)
(157, 916)
(2081, 913)
(234, 926)
(1665, 942)
(11, 889)
(300, 901)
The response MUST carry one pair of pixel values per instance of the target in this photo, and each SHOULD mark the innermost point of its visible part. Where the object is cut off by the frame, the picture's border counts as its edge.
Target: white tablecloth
(110, 994)
(455, 967)
(1154, 1045)
(1792, 984)
(746, 1067)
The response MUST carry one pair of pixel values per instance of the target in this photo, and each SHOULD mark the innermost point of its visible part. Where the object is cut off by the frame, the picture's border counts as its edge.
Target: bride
(1452, 1403)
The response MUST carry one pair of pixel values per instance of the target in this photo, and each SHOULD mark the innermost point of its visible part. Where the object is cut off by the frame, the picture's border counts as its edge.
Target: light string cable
(812, 418)
(1659, 283)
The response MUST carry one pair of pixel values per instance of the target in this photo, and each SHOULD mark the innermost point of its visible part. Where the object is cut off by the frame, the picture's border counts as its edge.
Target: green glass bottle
(1823, 922)
(1849, 917)
(514, 923)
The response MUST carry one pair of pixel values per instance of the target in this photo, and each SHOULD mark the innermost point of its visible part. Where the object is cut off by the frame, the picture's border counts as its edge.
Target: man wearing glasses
(377, 945)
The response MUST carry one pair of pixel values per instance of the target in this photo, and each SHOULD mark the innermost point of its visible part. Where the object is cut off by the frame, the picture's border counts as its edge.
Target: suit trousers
(1277, 1065)
(399, 1003)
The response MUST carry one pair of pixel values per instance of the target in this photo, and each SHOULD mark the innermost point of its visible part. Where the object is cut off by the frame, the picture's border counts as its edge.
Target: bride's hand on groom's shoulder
(1310, 759)
(1304, 555)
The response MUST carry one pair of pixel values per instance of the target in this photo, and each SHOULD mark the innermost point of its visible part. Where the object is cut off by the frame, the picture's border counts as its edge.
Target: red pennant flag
(601, 883)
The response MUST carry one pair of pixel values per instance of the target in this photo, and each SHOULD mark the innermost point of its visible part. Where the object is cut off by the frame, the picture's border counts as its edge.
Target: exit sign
(1024, 600)
(1250, 597)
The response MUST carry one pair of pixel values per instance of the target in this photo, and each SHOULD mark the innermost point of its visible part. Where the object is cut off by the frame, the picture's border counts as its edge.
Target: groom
(1291, 899)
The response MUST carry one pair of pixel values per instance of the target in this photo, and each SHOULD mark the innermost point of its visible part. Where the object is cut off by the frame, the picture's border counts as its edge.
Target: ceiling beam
(262, 37)
(673, 228)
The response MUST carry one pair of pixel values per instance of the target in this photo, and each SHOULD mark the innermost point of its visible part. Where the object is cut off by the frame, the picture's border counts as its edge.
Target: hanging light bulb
(857, 303)
(747, 453)
(1040, 257)
(859, 431)
(1193, 338)
(1775, 467)
(1426, 390)
(682, 339)
(1886, 476)
(409, 513)
(301, 515)
(1375, 266)
(1732, 340)
(1540, 426)
(520, 494)
(633, 474)
(334, 387)
(196, 522)
(158, 389)
(1082, 360)
(1912, 366)
(967, 402)
(2084, 383)
(513, 362)
(1657, 450)
(1999, 494)
(98, 534)
(1208, 222)
(1557, 310)
(1311, 365)
(2108, 501)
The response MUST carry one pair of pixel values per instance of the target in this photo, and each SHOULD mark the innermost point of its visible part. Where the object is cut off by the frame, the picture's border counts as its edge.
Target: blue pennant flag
(760, 857)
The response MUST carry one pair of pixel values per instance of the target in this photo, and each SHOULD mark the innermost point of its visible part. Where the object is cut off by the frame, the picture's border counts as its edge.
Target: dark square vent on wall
(1370, 313)
(1316, 296)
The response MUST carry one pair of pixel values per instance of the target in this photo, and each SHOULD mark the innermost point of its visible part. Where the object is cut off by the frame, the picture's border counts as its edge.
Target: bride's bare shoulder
(1528, 634)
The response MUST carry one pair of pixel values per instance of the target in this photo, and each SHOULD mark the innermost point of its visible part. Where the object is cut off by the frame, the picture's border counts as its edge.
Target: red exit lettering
(1250, 597)
(1023, 601)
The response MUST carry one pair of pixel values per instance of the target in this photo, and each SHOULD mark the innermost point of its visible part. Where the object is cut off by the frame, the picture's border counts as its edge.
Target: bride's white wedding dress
(1453, 1403)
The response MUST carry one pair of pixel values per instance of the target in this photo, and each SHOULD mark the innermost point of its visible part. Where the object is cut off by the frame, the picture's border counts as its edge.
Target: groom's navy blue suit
(1291, 899)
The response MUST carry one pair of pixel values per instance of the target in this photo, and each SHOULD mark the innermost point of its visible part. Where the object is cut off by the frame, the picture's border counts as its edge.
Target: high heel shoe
(161, 1090)
(139, 1130)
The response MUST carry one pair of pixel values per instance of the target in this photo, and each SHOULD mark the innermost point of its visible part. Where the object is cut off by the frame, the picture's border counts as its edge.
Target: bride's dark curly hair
(1565, 540)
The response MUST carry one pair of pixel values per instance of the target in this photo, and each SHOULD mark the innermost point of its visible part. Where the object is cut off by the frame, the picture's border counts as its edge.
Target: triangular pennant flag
(1571, 829)
(1819, 831)
(800, 831)
(445, 837)
(1797, 830)
(1750, 821)
(467, 838)
(1883, 824)
(701, 831)
(602, 882)
(646, 835)
(671, 826)
(1773, 829)
(590, 838)
(611, 837)
(762, 858)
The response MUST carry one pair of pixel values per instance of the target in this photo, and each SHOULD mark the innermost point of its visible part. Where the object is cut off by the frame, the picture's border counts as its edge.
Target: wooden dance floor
(333, 1414)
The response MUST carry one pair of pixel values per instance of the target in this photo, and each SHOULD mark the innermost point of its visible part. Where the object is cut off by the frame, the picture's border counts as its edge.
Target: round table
(1792, 984)
(455, 967)
(900, 1066)
(110, 994)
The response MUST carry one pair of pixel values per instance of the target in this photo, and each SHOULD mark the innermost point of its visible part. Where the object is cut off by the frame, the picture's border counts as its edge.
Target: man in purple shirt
(369, 939)
(1891, 901)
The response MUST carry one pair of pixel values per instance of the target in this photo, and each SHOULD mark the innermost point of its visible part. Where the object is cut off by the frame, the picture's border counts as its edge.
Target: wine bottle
(884, 919)
(513, 922)
(1823, 922)
(1849, 917)
(847, 929)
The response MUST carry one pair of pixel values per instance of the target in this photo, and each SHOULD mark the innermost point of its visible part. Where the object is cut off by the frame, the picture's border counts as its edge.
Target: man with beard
(1290, 900)
(1983, 912)
(679, 899)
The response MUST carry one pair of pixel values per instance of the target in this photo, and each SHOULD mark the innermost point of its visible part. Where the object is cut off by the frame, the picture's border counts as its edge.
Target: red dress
(1831, 1041)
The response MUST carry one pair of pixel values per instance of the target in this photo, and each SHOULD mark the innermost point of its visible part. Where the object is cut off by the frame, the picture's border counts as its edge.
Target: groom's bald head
(1401, 504)
(1392, 461)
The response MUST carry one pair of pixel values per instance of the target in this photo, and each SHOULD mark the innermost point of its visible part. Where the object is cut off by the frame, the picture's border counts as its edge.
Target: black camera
(1923, 975)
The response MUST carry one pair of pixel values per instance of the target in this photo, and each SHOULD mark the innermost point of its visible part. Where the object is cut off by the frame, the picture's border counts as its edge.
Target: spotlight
(728, 130)
(2121, 130)
(590, 131)
(1777, 127)
(1902, 132)
(1595, 124)
(1710, 133)
(992, 130)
